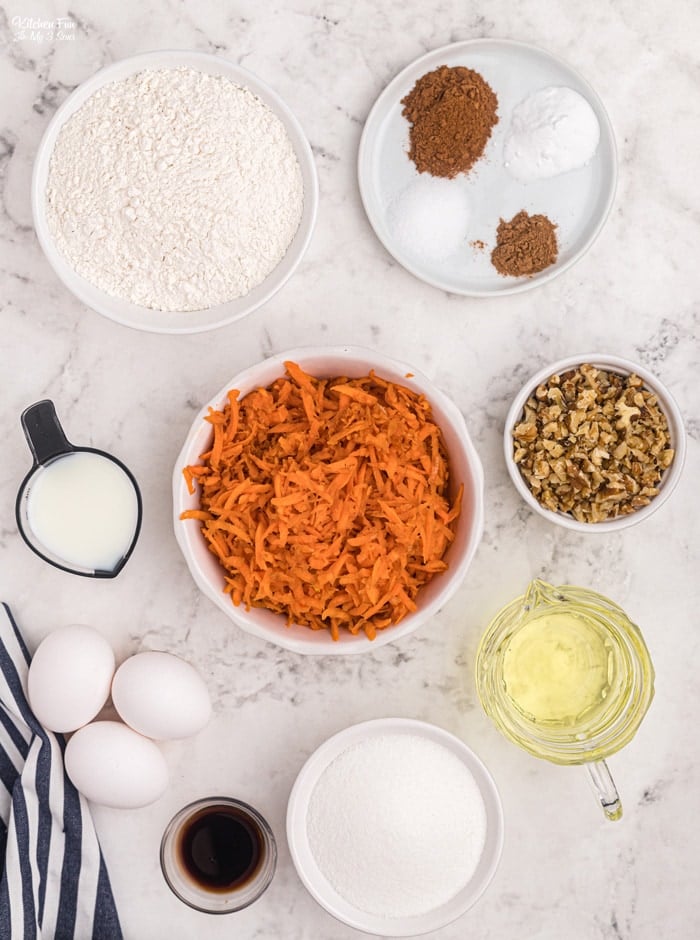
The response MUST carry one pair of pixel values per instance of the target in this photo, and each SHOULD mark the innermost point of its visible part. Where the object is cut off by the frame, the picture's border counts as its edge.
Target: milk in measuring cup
(83, 508)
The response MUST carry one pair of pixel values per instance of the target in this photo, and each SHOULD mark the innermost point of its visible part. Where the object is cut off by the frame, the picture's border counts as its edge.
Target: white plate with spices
(120, 306)
(398, 200)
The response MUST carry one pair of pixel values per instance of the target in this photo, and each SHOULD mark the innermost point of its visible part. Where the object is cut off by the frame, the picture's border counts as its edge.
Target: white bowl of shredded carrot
(329, 500)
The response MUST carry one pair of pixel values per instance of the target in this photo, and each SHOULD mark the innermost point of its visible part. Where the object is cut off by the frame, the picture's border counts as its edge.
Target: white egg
(161, 696)
(114, 766)
(70, 677)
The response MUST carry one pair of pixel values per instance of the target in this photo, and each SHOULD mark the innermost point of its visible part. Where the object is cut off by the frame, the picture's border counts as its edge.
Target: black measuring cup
(48, 444)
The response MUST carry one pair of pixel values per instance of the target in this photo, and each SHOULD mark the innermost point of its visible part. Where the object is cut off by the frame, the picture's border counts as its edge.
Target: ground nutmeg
(452, 111)
(525, 245)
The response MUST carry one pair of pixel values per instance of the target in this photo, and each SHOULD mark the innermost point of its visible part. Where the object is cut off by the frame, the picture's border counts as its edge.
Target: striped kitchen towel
(54, 883)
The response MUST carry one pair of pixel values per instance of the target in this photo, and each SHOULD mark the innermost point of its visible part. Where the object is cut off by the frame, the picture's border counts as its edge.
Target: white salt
(552, 131)
(397, 825)
(429, 219)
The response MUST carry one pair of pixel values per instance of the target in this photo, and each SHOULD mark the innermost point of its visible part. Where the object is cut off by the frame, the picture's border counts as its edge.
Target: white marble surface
(565, 872)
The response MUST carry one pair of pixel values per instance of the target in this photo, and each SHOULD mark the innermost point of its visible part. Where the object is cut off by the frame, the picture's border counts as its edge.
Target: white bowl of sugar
(174, 192)
(395, 827)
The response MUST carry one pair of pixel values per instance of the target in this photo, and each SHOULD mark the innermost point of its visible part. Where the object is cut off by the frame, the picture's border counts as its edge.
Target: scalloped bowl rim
(334, 360)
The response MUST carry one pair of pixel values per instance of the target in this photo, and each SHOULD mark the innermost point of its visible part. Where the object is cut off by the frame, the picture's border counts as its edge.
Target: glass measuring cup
(118, 506)
(566, 675)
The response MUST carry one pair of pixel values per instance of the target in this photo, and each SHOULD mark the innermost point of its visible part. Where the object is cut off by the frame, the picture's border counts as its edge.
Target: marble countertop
(565, 871)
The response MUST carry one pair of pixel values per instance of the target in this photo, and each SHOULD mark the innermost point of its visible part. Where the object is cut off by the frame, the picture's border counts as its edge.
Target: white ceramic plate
(578, 202)
(321, 889)
(465, 467)
(157, 321)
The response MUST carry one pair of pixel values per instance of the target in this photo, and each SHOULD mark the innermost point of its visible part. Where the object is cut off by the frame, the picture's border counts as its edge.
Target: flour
(174, 190)
(552, 131)
(397, 824)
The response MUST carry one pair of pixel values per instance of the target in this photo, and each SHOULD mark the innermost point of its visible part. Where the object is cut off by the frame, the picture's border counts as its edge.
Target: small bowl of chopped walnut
(594, 443)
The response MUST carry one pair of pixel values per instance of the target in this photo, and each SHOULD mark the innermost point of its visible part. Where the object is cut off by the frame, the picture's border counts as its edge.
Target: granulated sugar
(397, 824)
(174, 190)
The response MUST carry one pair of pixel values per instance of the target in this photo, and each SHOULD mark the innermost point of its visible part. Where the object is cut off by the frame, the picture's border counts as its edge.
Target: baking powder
(174, 190)
(552, 131)
(397, 824)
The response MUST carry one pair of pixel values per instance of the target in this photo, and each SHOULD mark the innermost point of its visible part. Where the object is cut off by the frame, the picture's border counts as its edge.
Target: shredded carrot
(326, 500)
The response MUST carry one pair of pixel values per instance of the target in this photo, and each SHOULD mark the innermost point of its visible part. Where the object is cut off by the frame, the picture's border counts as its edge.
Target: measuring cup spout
(605, 790)
(539, 593)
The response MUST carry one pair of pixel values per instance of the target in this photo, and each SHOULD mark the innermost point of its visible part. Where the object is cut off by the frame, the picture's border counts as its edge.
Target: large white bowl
(157, 321)
(465, 468)
(667, 404)
(324, 892)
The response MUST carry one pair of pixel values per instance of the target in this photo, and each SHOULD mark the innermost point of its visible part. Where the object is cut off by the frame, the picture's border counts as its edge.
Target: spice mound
(174, 190)
(593, 444)
(326, 500)
(452, 112)
(415, 842)
(524, 246)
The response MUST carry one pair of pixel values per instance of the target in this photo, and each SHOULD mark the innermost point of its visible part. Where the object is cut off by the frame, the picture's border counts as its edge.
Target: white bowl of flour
(174, 192)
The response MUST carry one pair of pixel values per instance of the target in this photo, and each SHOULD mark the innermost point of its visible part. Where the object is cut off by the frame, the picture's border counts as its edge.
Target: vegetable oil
(564, 673)
(559, 668)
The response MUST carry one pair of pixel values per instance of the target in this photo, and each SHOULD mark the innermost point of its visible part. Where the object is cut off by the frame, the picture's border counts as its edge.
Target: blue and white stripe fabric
(54, 883)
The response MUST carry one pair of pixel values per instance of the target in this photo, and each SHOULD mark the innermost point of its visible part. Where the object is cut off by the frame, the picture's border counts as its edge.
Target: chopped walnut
(593, 444)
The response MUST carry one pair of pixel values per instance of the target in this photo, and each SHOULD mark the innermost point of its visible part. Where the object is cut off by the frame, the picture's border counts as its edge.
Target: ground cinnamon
(525, 245)
(452, 112)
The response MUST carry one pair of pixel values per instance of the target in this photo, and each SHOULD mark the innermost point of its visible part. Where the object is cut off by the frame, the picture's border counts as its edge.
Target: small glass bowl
(216, 901)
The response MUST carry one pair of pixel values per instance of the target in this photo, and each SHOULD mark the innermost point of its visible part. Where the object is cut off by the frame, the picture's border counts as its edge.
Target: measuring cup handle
(44, 432)
(605, 789)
